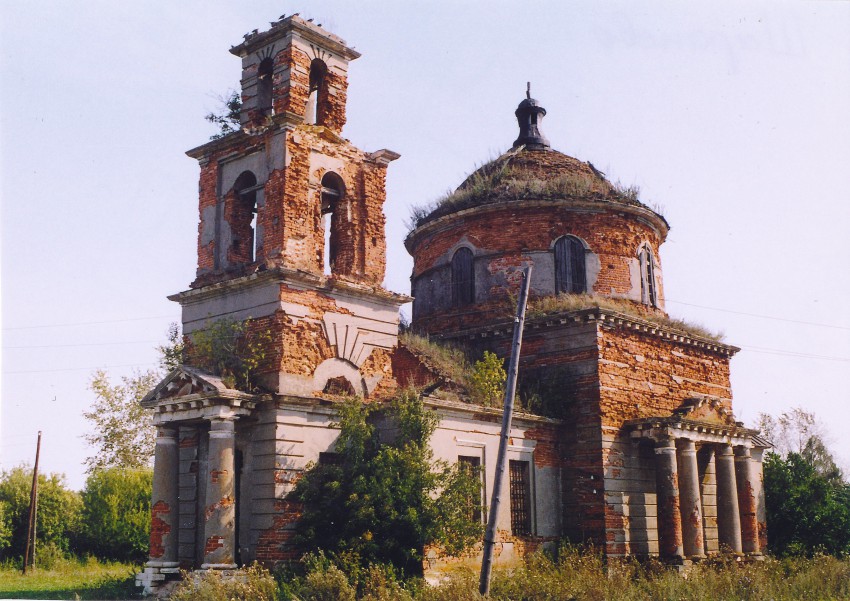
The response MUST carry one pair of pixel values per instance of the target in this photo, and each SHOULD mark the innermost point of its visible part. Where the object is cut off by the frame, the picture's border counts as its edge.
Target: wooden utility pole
(33, 509)
(510, 391)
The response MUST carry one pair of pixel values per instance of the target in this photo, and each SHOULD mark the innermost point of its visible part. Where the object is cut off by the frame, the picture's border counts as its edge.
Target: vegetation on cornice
(483, 381)
(447, 360)
(548, 305)
(497, 181)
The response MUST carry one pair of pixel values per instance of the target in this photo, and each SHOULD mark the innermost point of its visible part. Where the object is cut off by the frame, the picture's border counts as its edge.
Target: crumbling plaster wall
(504, 239)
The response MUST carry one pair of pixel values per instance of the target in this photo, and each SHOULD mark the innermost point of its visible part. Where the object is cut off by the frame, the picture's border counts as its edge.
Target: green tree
(386, 497)
(58, 509)
(122, 434)
(116, 516)
(807, 511)
(800, 431)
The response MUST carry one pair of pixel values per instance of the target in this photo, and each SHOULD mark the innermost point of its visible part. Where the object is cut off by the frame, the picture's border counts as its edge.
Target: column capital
(686, 445)
(666, 444)
(724, 449)
(222, 427)
(742, 453)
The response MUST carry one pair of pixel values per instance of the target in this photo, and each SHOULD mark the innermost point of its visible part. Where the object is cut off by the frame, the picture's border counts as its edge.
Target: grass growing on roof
(547, 305)
(496, 180)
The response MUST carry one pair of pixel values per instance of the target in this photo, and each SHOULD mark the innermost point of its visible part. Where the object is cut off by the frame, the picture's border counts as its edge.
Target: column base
(155, 577)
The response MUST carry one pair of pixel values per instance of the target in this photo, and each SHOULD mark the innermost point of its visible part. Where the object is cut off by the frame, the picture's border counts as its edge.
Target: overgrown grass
(585, 576)
(482, 380)
(547, 305)
(445, 359)
(70, 579)
(580, 575)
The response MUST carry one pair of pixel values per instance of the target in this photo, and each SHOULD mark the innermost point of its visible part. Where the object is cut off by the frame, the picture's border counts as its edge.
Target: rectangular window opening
(472, 465)
(520, 495)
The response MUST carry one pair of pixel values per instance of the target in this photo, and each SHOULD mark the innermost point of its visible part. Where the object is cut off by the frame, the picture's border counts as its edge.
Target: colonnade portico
(681, 512)
(201, 402)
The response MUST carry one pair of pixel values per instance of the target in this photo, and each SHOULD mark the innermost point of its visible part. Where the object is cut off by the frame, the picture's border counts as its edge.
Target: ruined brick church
(625, 434)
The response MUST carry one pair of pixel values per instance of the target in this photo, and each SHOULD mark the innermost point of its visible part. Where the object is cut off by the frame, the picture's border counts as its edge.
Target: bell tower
(291, 222)
(295, 68)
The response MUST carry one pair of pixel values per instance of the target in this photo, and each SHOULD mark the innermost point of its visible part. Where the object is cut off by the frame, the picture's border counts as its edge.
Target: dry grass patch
(562, 303)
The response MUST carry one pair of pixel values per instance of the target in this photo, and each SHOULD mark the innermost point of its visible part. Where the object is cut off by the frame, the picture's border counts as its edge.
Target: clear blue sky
(733, 117)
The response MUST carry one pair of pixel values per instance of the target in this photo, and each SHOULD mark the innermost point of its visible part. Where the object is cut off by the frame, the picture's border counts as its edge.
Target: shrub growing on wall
(230, 349)
(385, 498)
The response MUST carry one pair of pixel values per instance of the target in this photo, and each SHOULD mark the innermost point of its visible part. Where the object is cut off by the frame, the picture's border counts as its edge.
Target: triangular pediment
(184, 381)
(706, 409)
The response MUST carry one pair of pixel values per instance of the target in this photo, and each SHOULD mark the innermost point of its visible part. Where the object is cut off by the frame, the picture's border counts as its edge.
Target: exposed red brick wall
(642, 375)
(275, 544)
(409, 371)
(159, 528)
(504, 238)
(291, 217)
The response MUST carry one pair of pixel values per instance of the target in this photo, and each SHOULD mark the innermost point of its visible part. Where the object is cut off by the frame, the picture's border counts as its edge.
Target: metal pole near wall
(510, 391)
(32, 515)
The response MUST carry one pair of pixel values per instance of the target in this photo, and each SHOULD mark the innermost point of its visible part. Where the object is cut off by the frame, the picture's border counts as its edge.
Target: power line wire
(783, 353)
(43, 371)
(797, 321)
(82, 344)
(87, 323)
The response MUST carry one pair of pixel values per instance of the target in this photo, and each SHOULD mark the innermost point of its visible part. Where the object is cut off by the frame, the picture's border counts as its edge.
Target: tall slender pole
(32, 514)
(507, 415)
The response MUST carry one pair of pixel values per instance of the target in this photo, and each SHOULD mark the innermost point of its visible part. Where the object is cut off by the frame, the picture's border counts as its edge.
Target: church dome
(531, 170)
(533, 205)
(523, 174)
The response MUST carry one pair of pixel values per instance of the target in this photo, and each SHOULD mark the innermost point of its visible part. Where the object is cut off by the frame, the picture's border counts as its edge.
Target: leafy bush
(386, 497)
(253, 583)
(5, 529)
(486, 381)
(58, 509)
(232, 350)
(116, 514)
(227, 119)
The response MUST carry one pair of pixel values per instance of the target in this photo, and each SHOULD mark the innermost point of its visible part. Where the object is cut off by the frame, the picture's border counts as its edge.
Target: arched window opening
(463, 278)
(264, 85)
(339, 386)
(333, 191)
(314, 114)
(570, 272)
(648, 294)
(243, 222)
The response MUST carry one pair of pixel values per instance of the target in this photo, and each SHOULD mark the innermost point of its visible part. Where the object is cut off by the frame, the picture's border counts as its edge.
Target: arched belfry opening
(333, 193)
(317, 101)
(265, 73)
(243, 219)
